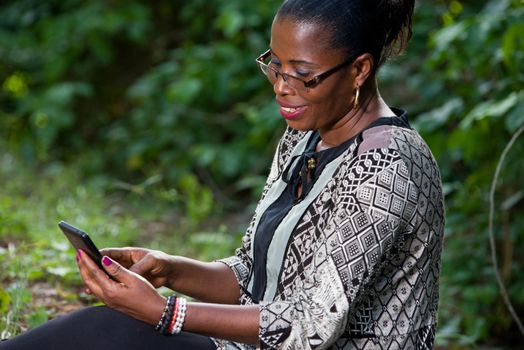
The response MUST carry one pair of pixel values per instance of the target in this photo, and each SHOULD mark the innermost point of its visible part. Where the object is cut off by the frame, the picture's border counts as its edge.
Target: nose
(281, 87)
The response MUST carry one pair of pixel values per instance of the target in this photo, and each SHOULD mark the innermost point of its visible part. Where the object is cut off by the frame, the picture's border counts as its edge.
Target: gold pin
(311, 163)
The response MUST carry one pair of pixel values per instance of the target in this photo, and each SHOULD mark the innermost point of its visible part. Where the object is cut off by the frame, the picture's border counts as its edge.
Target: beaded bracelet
(170, 314)
(163, 317)
(173, 316)
(173, 319)
(167, 315)
(180, 317)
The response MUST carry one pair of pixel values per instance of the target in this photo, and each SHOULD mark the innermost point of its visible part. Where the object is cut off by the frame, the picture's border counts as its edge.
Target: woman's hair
(378, 27)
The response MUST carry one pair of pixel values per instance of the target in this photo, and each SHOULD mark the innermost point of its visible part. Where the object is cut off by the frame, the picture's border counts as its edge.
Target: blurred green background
(148, 123)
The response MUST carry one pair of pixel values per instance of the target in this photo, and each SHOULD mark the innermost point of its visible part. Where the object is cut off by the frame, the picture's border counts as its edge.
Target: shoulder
(391, 133)
(396, 155)
(392, 148)
(398, 139)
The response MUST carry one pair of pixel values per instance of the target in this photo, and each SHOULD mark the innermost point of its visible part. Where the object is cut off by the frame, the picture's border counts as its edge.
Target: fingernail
(106, 261)
(79, 253)
(77, 259)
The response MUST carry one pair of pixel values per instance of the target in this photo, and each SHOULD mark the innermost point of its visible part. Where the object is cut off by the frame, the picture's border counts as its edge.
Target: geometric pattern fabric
(361, 268)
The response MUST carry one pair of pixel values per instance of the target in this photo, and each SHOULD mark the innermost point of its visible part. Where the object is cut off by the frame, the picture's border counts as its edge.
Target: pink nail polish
(79, 253)
(106, 261)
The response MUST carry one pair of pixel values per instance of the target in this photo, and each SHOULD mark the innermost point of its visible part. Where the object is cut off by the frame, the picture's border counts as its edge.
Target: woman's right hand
(212, 282)
(155, 266)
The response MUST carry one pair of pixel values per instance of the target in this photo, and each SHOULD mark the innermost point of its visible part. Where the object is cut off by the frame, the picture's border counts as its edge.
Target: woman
(343, 251)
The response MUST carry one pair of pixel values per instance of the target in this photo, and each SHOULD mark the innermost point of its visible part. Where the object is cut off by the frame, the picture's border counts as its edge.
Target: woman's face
(302, 50)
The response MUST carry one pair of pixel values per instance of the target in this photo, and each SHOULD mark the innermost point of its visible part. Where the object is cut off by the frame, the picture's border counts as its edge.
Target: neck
(371, 107)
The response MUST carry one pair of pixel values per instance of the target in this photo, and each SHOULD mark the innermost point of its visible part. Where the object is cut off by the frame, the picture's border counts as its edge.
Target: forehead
(293, 40)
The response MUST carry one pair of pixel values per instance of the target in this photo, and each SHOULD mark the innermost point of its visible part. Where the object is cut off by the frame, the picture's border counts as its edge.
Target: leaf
(230, 22)
(491, 109)
(515, 118)
(21, 294)
(184, 90)
(38, 317)
(443, 38)
(512, 200)
(450, 328)
(61, 246)
(497, 6)
(5, 299)
(204, 154)
(16, 84)
(60, 271)
(64, 92)
(513, 47)
(434, 119)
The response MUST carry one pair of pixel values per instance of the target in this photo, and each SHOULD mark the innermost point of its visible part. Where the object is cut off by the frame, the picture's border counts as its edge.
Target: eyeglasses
(297, 83)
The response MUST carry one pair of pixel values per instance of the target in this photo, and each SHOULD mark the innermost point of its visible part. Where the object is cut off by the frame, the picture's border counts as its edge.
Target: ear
(362, 68)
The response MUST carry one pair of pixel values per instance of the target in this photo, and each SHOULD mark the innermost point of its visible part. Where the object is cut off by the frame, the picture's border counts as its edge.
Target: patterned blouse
(353, 260)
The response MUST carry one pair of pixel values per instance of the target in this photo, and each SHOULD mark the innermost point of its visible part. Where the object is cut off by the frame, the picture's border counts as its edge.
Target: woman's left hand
(129, 292)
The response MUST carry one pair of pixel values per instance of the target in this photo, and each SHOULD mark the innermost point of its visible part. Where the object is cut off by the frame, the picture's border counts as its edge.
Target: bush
(163, 99)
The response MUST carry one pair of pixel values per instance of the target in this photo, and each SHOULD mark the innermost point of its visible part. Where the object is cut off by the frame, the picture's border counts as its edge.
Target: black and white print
(361, 266)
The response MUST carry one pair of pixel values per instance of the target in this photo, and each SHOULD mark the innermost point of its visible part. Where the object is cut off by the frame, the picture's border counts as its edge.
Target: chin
(299, 126)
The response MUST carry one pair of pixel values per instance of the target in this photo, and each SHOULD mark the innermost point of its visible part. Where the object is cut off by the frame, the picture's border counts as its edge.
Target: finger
(94, 278)
(123, 255)
(143, 266)
(85, 274)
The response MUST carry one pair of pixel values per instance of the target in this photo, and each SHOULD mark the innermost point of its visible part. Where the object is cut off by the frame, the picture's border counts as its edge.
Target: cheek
(336, 100)
(335, 87)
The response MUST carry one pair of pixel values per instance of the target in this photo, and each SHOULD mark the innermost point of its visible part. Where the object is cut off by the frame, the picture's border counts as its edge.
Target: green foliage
(470, 101)
(5, 300)
(35, 256)
(38, 317)
(32, 249)
(175, 94)
(113, 103)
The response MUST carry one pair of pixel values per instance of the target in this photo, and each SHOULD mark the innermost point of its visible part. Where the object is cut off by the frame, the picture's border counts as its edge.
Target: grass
(38, 273)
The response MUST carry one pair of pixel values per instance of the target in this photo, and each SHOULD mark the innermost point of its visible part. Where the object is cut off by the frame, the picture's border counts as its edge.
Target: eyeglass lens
(272, 75)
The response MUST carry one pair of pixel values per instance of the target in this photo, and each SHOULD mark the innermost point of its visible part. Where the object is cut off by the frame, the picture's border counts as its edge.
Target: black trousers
(101, 328)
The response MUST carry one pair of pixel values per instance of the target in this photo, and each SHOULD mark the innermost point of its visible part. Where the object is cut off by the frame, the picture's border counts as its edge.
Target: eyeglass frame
(317, 79)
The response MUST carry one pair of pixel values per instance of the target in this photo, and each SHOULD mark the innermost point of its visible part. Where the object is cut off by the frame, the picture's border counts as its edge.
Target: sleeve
(368, 210)
(241, 262)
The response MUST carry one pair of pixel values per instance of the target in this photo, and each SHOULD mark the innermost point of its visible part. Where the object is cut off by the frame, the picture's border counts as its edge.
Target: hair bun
(397, 16)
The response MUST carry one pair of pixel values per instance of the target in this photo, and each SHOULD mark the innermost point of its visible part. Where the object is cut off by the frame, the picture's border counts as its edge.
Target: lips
(291, 112)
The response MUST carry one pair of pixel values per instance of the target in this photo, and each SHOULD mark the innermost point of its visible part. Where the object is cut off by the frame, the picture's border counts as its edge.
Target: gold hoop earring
(357, 95)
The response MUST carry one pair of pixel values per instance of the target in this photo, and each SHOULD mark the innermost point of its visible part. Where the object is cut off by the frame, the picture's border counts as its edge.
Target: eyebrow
(298, 62)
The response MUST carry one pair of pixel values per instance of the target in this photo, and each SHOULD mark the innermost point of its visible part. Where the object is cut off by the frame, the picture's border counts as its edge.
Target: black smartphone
(80, 240)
